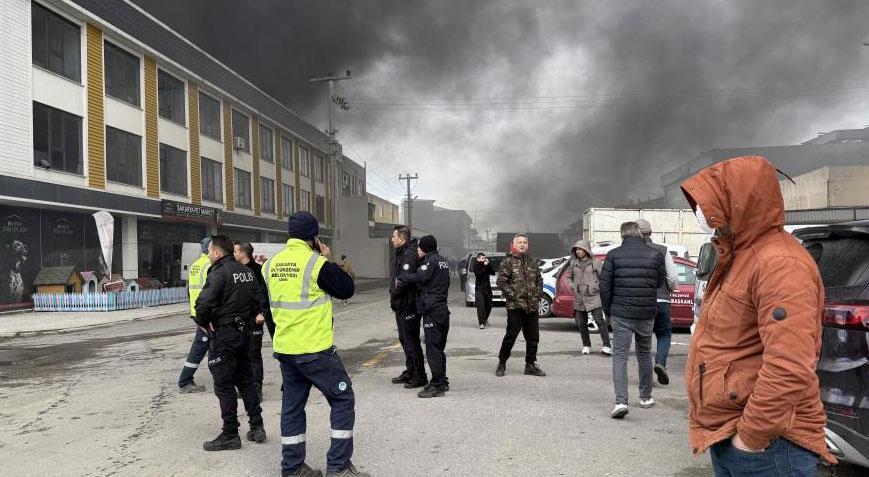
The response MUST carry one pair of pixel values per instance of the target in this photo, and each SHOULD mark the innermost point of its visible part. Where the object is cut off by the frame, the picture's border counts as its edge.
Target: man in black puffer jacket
(408, 320)
(629, 282)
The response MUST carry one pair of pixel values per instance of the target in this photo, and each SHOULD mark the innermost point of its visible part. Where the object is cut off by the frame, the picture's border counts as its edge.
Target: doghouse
(90, 282)
(58, 280)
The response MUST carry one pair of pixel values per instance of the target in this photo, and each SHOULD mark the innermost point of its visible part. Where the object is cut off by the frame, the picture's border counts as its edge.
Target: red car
(681, 309)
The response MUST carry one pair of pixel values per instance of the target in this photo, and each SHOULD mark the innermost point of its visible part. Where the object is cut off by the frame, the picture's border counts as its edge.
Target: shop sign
(181, 212)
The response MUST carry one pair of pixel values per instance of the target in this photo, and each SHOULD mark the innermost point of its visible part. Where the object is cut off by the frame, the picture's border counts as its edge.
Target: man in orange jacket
(752, 389)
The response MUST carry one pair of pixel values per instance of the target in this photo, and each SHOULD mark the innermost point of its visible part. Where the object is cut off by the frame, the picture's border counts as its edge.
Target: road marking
(680, 344)
(377, 358)
(360, 308)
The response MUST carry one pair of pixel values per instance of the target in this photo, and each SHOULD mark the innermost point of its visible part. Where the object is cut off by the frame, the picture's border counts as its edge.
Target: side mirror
(707, 261)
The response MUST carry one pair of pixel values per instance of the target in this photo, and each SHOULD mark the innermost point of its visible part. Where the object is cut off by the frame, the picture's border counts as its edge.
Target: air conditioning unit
(238, 143)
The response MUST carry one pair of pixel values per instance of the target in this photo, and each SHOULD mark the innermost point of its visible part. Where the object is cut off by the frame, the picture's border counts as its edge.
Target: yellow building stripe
(254, 149)
(195, 174)
(296, 189)
(152, 150)
(279, 185)
(227, 155)
(96, 131)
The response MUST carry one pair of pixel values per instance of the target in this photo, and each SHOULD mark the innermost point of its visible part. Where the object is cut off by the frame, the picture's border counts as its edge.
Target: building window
(289, 198)
(170, 94)
(372, 212)
(173, 170)
(57, 141)
(345, 181)
(240, 129)
(209, 116)
(320, 208)
(242, 189)
(212, 180)
(354, 186)
(267, 194)
(286, 153)
(266, 144)
(123, 157)
(304, 166)
(319, 168)
(56, 43)
(305, 199)
(122, 74)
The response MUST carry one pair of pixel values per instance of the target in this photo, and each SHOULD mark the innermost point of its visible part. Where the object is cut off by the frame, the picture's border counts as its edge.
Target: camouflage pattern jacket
(521, 282)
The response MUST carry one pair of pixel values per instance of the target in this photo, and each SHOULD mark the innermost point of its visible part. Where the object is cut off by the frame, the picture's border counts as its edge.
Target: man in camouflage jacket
(522, 284)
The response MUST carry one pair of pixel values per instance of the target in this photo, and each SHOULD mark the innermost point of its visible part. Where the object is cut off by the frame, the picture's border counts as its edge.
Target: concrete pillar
(130, 246)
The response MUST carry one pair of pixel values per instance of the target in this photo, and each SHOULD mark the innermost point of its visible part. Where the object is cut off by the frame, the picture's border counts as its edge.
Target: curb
(59, 331)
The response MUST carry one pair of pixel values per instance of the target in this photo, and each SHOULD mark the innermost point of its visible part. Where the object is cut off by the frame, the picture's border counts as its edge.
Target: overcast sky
(531, 111)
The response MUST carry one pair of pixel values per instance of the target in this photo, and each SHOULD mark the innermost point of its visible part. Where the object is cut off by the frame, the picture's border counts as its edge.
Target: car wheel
(544, 309)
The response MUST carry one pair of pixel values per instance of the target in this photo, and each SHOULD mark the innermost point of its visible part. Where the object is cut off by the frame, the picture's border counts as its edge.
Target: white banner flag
(106, 230)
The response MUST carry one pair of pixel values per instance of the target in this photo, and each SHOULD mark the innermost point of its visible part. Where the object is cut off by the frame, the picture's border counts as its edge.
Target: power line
(373, 125)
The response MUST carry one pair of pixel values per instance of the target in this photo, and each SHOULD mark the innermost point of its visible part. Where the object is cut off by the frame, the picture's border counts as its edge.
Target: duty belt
(239, 322)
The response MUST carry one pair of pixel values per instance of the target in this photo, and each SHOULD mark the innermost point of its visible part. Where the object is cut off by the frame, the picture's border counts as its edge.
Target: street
(105, 402)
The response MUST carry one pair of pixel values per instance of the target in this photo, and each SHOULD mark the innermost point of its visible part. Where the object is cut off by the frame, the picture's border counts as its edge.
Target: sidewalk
(35, 323)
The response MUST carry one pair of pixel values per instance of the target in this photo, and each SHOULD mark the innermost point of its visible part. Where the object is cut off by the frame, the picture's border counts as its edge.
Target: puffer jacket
(751, 364)
(629, 280)
(584, 278)
(520, 280)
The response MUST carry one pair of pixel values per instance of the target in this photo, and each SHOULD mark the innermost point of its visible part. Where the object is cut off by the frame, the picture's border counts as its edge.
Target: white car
(497, 297)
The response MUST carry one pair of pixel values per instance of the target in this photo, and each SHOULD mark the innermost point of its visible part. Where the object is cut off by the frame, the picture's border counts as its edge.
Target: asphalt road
(105, 402)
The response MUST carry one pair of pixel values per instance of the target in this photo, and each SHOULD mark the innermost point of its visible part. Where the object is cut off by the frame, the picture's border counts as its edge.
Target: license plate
(496, 293)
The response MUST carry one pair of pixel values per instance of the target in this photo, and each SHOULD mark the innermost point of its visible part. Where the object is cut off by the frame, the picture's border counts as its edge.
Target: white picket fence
(108, 301)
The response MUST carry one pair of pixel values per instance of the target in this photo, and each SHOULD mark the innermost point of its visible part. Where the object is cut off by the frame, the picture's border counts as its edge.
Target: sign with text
(180, 212)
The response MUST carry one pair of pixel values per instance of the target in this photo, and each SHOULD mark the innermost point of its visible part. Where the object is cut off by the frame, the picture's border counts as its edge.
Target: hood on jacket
(742, 193)
(581, 244)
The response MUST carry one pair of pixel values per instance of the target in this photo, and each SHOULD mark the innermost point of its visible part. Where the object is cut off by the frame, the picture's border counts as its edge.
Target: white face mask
(701, 220)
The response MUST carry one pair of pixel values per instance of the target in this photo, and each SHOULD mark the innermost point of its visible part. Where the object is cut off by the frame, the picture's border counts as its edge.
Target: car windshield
(685, 273)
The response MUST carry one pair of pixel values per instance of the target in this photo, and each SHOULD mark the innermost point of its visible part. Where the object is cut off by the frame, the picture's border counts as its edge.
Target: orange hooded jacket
(751, 365)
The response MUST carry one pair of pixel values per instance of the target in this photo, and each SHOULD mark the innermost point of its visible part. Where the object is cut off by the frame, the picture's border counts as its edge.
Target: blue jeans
(781, 458)
(197, 352)
(325, 371)
(663, 333)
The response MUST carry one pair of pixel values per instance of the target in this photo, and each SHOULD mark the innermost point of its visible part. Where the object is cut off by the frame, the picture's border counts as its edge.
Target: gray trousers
(623, 330)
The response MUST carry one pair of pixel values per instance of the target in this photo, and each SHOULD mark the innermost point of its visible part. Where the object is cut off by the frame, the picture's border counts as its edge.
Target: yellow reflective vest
(302, 311)
(196, 279)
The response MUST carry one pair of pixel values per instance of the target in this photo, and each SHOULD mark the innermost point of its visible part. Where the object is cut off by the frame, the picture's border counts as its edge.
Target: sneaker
(416, 383)
(350, 470)
(431, 392)
(256, 434)
(482, 326)
(303, 471)
(401, 378)
(191, 387)
(606, 350)
(501, 369)
(647, 403)
(532, 369)
(663, 377)
(620, 411)
(586, 350)
(224, 441)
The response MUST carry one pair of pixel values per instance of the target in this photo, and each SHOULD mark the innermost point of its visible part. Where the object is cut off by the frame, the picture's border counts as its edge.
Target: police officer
(402, 300)
(195, 280)
(433, 280)
(226, 308)
(243, 253)
(301, 283)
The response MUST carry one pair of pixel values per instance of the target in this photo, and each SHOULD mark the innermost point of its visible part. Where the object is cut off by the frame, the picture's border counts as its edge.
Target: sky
(525, 113)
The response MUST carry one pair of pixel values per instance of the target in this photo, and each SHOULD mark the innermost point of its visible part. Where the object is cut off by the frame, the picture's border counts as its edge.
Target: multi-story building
(382, 211)
(106, 108)
(452, 228)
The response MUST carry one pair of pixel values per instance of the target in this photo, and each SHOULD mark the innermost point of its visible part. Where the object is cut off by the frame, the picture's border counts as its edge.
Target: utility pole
(333, 142)
(407, 177)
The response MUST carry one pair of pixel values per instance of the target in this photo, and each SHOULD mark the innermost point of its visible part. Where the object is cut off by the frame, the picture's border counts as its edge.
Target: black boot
(256, 434)
(416, 382)
(501, 369)
(349, 471)
(225, 441)
(303, 471)
(401, 378)
(532, 369)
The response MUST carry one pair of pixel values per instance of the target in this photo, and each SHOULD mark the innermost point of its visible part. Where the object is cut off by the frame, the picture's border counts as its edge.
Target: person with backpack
(583, 274)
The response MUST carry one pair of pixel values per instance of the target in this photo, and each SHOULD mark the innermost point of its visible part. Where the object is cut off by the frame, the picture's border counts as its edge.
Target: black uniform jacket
(231, 290)
(432, 280)
(402, 296)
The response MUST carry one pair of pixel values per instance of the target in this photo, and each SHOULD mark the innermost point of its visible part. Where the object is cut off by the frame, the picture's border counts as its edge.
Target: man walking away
(243, 253)
(753, 394)
(629, 282)
(583, 273)
(433, 283)
(483, 269)
(520, 280)
(402, 299)
(301, 282)
(199, 347)
(226, 308)
(663, 328)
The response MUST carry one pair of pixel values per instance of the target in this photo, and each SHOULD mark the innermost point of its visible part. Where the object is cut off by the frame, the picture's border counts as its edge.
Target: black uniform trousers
(483, 301)
(526, 322)
(229, 363)
(408, 335)
(436, 323)
(255, 352)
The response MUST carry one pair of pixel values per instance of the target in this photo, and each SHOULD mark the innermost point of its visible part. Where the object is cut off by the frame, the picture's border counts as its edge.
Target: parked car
(682, 304)
(842, 254)
(497, 297)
